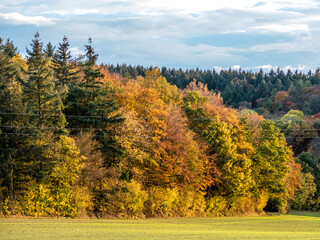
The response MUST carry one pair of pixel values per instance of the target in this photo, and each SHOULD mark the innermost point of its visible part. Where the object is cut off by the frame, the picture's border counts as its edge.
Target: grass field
(293, 226)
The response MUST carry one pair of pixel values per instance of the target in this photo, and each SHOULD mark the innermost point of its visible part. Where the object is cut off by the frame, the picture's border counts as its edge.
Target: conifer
(43, 99)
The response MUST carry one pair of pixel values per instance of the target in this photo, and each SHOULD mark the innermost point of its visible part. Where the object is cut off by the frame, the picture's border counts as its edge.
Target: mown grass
(293, 226)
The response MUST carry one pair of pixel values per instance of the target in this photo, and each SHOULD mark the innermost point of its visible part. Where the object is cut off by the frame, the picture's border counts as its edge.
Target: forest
(82, 139)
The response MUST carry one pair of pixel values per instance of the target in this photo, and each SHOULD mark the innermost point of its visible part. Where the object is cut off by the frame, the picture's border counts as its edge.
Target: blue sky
(175, 33)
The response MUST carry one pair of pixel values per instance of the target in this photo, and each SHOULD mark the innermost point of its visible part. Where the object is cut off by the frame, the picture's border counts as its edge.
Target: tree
(12, 120)
(304, 197)
(44, 102)
(49, 50)
(228, 140)
(314, 104)
(310, 165)
(59, 193)
(9, 49)
(91, 104)
(66, 69)
(270, 166)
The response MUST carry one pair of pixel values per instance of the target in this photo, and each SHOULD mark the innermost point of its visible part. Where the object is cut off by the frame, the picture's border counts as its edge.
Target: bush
(122, 199)
(162, 202)
(217, 206)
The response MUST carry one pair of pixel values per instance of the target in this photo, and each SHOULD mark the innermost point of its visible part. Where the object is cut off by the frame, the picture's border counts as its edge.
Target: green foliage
(49, 50)
(314, 104)
(270, 166)
(299, 131)
(276, 91)
(139, 147)
(65, 68)
(310, 165)
(304, 197)
(58, 194)
(43, 100)
(12, 121)
(91, 104)
(293, 116)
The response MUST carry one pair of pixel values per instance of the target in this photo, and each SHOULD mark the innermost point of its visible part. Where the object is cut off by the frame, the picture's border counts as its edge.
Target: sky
(184, 34)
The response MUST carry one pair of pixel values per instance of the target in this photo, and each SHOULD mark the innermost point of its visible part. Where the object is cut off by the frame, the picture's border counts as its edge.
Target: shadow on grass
(305, 213)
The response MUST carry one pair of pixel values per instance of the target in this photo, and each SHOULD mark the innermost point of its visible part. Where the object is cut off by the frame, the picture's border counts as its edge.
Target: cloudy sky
(175, 33)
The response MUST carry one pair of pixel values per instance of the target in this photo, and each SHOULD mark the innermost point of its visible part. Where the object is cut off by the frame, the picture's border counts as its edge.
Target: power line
(97, 135)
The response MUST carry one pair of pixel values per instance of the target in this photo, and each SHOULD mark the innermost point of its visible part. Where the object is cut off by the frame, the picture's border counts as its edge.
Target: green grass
(294, 226)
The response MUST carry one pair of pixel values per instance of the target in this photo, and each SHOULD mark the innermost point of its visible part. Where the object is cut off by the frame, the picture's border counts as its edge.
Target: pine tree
(43, 99)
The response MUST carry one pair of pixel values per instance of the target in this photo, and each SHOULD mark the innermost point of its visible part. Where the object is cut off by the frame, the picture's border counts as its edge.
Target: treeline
(275, 92)
(77, 140)
(292, 100)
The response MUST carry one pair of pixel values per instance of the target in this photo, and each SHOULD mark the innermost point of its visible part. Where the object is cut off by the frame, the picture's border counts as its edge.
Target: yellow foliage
(17, 59)
(162, 202)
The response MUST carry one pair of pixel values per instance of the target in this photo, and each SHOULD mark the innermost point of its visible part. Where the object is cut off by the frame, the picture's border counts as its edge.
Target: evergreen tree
(91, 102)
(64, 66)
(50, 50)
(9, 49)
(43, 100)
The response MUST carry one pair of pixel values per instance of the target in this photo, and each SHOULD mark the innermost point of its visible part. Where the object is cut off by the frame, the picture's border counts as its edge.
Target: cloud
(17, 19)
(236, 67)
(282, 28)
(268, 67)
(217, 68)
(179, 32)
(75, 51)
(305, 44)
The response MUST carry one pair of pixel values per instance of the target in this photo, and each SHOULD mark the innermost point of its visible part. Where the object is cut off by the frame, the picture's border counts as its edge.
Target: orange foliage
(214, 106)
(182, 161)
(254, 122)
(280, 96)
(293, 179)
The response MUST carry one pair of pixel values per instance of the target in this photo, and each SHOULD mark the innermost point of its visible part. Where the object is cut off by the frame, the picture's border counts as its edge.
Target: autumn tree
(228, 143)
(12, 119)
(271, 166)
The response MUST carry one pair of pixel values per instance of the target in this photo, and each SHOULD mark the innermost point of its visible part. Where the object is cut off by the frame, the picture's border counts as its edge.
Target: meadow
(293, 226)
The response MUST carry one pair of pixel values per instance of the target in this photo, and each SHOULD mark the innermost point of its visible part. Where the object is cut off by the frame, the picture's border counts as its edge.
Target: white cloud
(309, 43)
(268, 66)
(75, 51)
(217, 68)
(282, 28)
(17, 19)
(236, 67)
(286, 68)
(167, 32)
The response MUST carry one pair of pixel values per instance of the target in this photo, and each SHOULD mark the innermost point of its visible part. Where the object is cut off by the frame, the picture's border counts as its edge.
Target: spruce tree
(9, 49)
(91, 102)
(50, 50)
(64, 66)
(43, 99)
